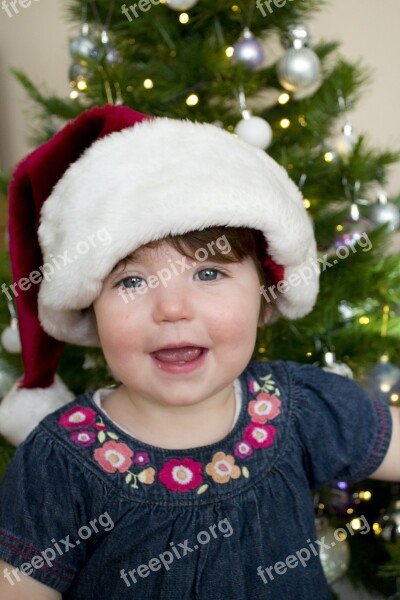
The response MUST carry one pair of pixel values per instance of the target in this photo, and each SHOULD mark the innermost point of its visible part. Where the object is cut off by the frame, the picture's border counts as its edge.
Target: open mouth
(179, 359)
(178, 355)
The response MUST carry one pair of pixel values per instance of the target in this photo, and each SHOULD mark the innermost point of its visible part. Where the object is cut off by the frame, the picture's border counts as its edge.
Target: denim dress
(96, 514)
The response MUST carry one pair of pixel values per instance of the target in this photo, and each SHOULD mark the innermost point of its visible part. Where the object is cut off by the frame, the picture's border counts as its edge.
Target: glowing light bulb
(192, 100)
(284, 98)
(285, 123)
(184, 18)
(148, 84)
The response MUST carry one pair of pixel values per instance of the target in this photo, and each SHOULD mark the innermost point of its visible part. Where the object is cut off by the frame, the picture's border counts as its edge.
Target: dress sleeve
(42, 507)
(345, 434)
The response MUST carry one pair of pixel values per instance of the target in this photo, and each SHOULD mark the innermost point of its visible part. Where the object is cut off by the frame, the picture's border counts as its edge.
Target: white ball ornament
(10, 339)
(181, 5)
(255, 131)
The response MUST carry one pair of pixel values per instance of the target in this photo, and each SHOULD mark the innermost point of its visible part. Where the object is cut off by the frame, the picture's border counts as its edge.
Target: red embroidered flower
(83, 437)
(265, 408)
(243, 449)
(114, 456)
(141, 458)
(77, 417)
(100, 426)
(259, 436)
(181, 475)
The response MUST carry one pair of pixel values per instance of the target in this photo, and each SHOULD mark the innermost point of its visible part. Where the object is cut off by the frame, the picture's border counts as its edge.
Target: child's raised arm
(390, 467)
(25, 587)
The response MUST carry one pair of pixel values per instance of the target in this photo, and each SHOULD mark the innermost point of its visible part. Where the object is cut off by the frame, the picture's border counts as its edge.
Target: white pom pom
(255, 131)
(22, 409)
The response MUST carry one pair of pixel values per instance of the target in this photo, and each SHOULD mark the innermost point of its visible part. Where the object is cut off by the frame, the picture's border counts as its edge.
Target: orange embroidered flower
(113, 456)
(223, 468)
(147, 476)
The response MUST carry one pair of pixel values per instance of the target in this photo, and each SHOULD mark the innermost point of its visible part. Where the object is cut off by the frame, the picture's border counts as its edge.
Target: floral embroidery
(259, 436)
(265, 408)
(141, 458)
(83, 437)
(222, 468)
(77, 417)
(243, 449)
(181, 475)
(114, 457)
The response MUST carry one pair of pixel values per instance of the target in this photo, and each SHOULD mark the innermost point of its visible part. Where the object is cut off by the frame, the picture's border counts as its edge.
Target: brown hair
(244, 243)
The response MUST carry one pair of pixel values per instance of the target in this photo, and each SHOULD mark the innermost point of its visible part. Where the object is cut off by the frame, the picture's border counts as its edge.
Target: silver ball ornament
(298, 69)
(255, 131)
(248, 51)
(181, 5)
(77, 71)
(335, 560)
(83, 48)
(385, 213)
(390, 523)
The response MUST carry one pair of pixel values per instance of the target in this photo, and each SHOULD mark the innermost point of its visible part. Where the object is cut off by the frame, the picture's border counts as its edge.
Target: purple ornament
(249, 51)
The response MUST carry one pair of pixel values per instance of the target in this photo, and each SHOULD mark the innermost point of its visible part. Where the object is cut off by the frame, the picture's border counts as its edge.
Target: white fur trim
(158, 178)
(22, 409)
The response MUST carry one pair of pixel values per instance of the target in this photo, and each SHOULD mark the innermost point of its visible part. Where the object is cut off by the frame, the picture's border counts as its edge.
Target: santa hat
(109, 182)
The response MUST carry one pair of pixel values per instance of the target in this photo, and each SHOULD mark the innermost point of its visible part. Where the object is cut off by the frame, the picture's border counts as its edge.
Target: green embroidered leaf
(113, 436)
(128, 478)
(245, 472)
(101, 436)
(202, 489)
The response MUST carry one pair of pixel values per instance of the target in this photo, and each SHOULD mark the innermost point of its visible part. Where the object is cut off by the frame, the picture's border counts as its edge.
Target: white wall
(35, 41)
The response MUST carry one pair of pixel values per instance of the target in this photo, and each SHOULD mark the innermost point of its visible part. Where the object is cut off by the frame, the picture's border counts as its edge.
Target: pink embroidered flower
(265, 408)
(83, 437)
(114, 456)
(77, 417)
(223, 468)
(141, 458)
(181, 475)
(243, 449)
(259, 436)
(253, 386)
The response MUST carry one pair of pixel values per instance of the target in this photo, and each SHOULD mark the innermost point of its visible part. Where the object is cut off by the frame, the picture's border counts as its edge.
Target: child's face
(213, 307)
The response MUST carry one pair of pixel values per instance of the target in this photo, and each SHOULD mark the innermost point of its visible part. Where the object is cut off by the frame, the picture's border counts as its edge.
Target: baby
(191, 478)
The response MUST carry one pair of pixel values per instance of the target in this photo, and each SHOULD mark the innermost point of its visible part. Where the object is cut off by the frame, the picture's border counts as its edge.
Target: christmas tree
(205, 60)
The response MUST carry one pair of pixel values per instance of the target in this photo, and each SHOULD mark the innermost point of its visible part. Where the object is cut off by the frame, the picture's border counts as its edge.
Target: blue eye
(209, 274)
(132, 282)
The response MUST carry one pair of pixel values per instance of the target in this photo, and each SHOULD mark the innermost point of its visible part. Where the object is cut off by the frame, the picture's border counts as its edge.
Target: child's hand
(390, 467)
(27, 587)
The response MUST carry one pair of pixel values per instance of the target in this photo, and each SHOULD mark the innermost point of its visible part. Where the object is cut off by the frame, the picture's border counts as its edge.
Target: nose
(172, 302)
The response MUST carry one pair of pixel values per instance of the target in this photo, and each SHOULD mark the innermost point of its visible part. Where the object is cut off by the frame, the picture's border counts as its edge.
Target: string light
(307, 203)
(192, 100)
(363, 320)
(184, 18)
(329, 157)
(229, 51)
(74, 95)
(285, 123)
(284, 98)
(148, 84)
(235, 8)
(81, 84)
